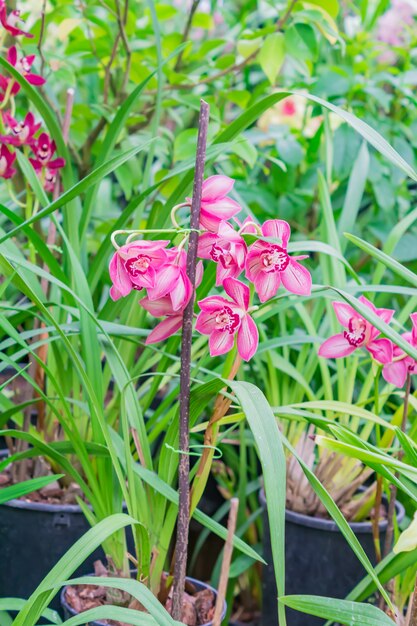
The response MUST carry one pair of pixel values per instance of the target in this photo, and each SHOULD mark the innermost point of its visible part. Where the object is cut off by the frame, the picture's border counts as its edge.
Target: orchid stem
(181, 549)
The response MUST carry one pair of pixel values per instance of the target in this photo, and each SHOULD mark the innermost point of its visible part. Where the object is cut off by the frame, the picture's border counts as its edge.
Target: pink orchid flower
(269, 264)
(44, 149)
(359, 334)
(162, 308)
(227, 248)
(172, 280)
(7, 159)
(21, 133)
(10, 22)
(23, 66)
(222, 319)
(395, 372)
(216, 206)
(135, 265)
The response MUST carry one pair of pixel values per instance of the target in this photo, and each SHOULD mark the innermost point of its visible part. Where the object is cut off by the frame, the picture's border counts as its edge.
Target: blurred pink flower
(222, 319)
(269, 264)
(395, 372)
(393, 24)
(359, 334)
(22, 65)
(135, 265)
(216, 206)
(227, 248)
(7, 159)
(44, 149)
(10, 22)
(21, 133)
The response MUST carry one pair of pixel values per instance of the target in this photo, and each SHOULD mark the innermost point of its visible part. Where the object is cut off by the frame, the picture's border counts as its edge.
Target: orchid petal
(206, 322)
(119, 276)
(165, 329)
(381, 350)
(157, 308)
(217, 186)
(279, 229)
(344, 312)
(267, 285)
(336, 347)
(296, 278)
(395, 373)
(181, 292)
(205, 244)
(165, 279)
(239, 292)
(220, 342)
(214, 303)
(247, 338)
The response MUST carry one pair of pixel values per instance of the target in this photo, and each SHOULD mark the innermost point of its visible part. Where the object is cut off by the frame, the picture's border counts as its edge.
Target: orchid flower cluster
(23, 133)
(161, 270)
(360, 333)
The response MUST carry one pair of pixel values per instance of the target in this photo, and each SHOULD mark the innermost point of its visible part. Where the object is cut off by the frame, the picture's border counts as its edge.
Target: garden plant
(208, 323)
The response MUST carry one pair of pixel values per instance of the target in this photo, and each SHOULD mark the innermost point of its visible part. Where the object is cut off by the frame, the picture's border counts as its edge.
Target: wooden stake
(227, 559)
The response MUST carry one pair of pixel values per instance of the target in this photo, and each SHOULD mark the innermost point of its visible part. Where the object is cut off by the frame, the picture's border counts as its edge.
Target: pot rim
(328, 524)
(72, 611)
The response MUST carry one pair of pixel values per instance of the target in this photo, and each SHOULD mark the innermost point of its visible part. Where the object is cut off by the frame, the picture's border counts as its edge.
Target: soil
(198, 607)
(53, 493)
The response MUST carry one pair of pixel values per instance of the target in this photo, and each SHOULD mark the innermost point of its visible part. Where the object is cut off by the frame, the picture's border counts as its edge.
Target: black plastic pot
(69, 611)
(318, 561)
(33, 537)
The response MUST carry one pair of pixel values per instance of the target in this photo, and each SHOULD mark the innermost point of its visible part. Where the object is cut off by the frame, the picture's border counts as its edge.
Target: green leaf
(116, 613)
(329, 6)
(271, 55)
(354, 193)
(343, 611)
(264, 427)
(79, 188)
(16, 604)
(25, 487)
(388, 261)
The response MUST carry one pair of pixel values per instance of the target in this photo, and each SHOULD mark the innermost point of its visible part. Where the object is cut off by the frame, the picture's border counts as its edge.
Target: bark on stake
(181, 550)
(227, 559)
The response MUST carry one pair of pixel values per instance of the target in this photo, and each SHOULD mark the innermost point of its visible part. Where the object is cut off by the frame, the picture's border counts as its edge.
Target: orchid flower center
(23, 66)
(44, 152)
(21, 131)
(138, 265)
(13, 19)
(222, 254)
(226, 320)
(357, 331)
(275, 259)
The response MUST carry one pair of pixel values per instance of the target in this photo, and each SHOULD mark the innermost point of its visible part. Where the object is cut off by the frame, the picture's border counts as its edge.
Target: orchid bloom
(44, 149)
(45, 166)
(22, 133)
(216, 206)
(162, 308)
(227, 248)
(10, 22)
(395, 372)
(359, 334)
(222, 319)
(135, 265)
(172, 280)
(269, 264)
(7, 159)
(24, 66)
